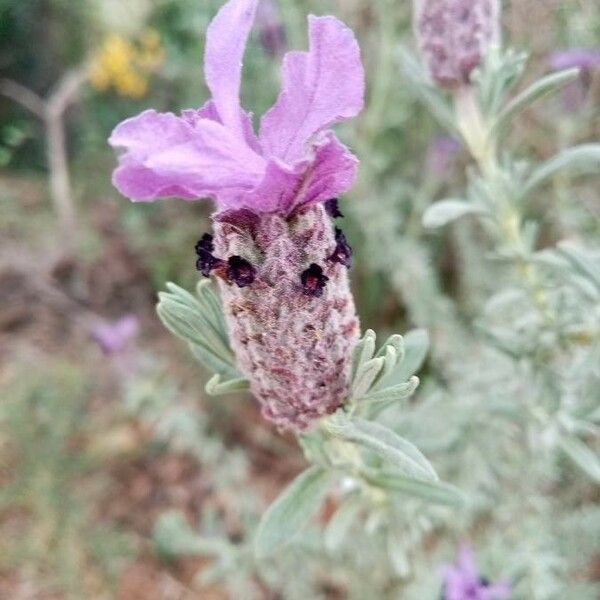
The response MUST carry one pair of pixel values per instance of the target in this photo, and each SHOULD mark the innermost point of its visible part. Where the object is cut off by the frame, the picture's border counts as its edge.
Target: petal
(320, 87)
(226, 39)
(209, 111)
(466, 562)
(168, 156)
(330, 171)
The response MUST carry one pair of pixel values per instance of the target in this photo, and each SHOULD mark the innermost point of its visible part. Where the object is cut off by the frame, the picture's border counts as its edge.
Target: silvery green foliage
(508, 408)
(524, 417)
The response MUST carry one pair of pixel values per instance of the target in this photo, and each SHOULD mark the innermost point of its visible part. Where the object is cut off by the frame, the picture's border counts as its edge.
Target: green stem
(483, 148)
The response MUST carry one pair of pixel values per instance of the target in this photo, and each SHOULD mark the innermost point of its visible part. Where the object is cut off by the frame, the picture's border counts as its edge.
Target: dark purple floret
(240, 271)
(205, 243)
(331, 206)
(206, 262)
(313, 280)
(342, 253)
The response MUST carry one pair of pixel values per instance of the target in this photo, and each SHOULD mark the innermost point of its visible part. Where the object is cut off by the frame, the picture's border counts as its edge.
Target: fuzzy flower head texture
(454, 36)
(280, 264)
(462, 581)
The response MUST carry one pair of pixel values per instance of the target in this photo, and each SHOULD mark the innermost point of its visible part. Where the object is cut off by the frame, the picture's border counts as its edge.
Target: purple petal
(584, 58)
(329, 172)
(114, 337)
(320, 87)
(466, 562)
(226, 39)
(209, 111)
(496, 591)
(169, 156)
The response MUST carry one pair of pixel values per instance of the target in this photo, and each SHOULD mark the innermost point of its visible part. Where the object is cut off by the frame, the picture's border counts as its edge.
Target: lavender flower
(272, 234)
(454, 36)
(114, 337)
(271, 32)
(587, 60)
(462, 582)
(440, 153)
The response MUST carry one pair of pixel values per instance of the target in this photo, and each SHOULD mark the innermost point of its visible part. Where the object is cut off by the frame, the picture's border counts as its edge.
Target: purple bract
(114, 337)
(462, 581)
(213, 152)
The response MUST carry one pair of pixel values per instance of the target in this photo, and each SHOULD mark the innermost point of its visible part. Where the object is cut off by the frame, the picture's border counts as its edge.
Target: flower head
(454, 36)
(462, 582)
(280, 266)
(294, 161)
(113, 337)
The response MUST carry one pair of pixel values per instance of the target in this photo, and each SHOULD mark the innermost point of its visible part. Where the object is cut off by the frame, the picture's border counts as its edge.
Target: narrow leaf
(363, 351)
(541, 88)
(291, 511)
(216, 387)
(387, 444)
(366, 376)
(445, 211)
(581, 159)
(435, 492)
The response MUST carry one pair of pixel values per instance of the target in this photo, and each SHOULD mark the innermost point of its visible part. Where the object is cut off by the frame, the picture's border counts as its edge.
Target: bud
(454, 35)
(295, 347)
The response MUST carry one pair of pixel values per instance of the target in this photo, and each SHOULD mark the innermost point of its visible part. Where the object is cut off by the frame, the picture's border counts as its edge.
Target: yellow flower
(125, 66)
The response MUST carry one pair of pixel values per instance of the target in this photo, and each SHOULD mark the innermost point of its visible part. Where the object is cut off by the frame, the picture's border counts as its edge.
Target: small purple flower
(575, 94)
(343, 252)
(293, 342)
(240, 271)
(442, 150)
(114, 337)
(332, 208)
(454, 35)
(583, 58)
(313, 280)
(271, 32)
(462, 582)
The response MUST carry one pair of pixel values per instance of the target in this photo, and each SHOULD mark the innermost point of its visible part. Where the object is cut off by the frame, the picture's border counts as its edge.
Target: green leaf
(405, 457)
(541, 88)
(445, 211)
(216, 387)
(587, 460)
(400, 391)
(582, 159)
(363, 351)
(435, 492)
(291, 511)
(416, 346)
(366, 377)
(198, 322)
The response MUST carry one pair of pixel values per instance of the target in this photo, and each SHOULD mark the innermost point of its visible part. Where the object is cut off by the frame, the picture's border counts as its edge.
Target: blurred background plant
(130, 483)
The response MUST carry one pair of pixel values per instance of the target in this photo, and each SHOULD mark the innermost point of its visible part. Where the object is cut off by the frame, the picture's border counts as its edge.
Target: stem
(483, 148)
